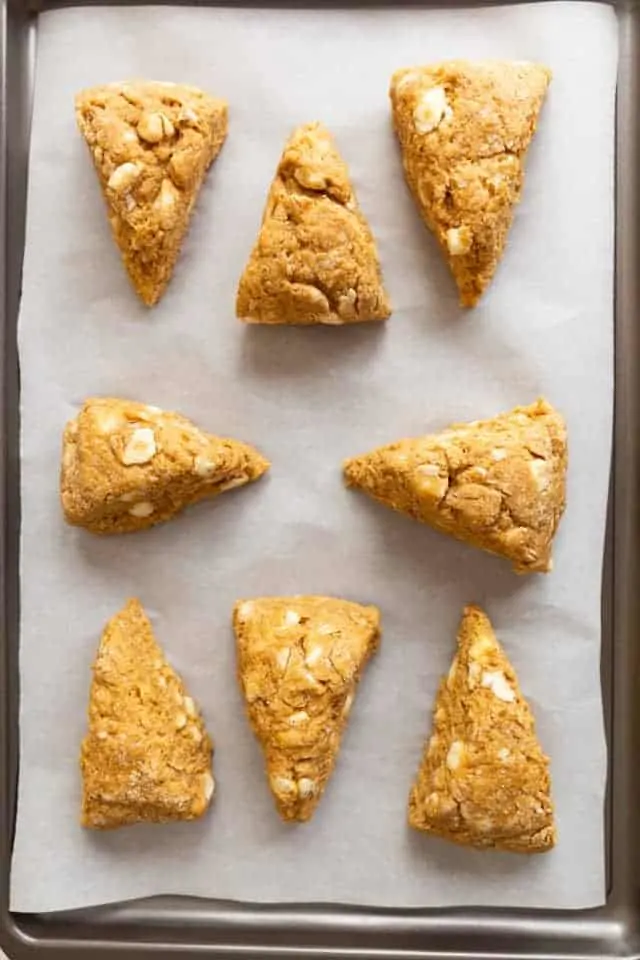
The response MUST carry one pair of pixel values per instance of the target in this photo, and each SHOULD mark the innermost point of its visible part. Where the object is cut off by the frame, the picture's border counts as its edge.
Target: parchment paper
(308, 398)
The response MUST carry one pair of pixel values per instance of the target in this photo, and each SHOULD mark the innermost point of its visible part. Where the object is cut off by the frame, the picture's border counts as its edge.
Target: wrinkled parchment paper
(308, 398)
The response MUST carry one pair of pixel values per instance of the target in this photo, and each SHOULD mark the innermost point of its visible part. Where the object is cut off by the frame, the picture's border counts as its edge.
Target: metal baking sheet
(163, 927)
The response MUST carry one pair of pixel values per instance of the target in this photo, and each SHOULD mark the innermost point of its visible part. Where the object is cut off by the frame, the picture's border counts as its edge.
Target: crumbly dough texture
(315, 260)
(299, 663)
(496, 484)
(147, 755)
(127, 466)
(464, 129)
(151, 144)
(484, 780)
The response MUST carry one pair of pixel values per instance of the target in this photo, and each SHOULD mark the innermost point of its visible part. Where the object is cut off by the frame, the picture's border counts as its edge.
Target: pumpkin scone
(151, 145)
(299, 663)
(496, 484)
(484, 780)
(464, 130)
(127, 466)
(147, 755)
(315, 260)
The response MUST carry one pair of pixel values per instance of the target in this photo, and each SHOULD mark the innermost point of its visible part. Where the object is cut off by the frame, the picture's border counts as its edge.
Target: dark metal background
(170, 927)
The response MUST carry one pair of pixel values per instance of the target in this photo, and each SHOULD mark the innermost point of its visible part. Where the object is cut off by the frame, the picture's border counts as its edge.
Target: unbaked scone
(484, 780)
(151, 145)
(147, 755)
(464, 129)
(496, 484)
(127, 466)
(299, 663)
(315, 259)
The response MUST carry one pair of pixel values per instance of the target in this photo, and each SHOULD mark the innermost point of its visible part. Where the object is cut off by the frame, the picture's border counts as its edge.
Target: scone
(464, 129)
(151, 145)
(315, 260)
(496, 484)
(484, 780)
(127, 466)
(299, 663)
(147, 755)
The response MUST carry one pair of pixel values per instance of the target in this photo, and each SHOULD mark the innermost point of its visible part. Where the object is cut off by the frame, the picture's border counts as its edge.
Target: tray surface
(224, 929)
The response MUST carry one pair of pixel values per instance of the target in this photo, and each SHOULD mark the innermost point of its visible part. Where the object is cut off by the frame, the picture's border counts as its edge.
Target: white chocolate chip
(498, 454)
(181, 720)
(314, 654)
(128, 136)
(187, 115)
(291, 618)
(429, 483)
(140, 447)
(504, 753)
(306, 787)
(190, 707)
(154, 127)
(166, 199)
(195, 733)
(332, 320)
(283, 655)
(541, 473)
(143, 509)
(245, 610)
(432, 108)
(282, 785)
(346, 708)
(478, 473)
(102, 735)
(124, 176)
(310, 679)
(232, 484)
(453, 669)
(203, 466)
(496, 681)
(459, 241)
(455, 754)
(301, 716)
(208, 786)
(429, 470)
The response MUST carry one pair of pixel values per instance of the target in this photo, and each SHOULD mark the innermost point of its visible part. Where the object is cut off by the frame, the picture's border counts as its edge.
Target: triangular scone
(147, 755)
(299, 663)
(484, 780)
(151, 145)
(496, 484)
(127, 466)
(315, 260)
(464, 129)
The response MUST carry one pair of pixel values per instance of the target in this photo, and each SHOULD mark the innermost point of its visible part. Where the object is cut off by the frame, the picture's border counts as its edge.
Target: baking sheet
(308, 398)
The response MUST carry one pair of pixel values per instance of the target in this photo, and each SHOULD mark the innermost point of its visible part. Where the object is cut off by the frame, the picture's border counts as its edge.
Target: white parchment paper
(309, 398)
